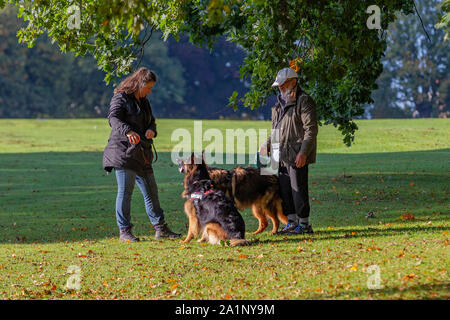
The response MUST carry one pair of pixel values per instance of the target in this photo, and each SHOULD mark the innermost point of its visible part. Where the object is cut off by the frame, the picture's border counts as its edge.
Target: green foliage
(445, 18)
(42, 82)
(338, 56)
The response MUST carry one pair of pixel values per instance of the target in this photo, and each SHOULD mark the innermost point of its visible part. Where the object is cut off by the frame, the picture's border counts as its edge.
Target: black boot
(127, 236)
(163, 231)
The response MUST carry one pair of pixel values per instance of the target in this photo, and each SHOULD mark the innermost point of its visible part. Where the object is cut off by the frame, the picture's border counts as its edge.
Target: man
(295, 117)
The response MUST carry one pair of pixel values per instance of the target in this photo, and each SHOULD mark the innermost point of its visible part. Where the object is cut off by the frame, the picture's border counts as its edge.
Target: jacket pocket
(290, 151)
(131, 151)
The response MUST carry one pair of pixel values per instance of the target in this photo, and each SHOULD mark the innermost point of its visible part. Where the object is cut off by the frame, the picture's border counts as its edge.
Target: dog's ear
(192, 158)
(196, 158)
(203, 157)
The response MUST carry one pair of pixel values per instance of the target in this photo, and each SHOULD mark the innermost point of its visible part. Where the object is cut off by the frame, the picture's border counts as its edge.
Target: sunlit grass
(57, 210)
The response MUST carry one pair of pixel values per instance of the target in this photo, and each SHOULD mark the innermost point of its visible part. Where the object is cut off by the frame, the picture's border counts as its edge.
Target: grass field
(57, 220)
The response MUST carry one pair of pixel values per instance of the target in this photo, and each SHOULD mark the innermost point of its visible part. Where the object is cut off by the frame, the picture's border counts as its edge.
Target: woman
(129, 152)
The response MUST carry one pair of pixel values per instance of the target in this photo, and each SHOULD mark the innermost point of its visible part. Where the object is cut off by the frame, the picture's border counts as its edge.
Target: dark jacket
(298, 129)
(124, 115)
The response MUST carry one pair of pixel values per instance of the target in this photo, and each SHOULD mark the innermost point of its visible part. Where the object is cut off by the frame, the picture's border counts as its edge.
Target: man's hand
(300, 160)
(149, 134)
(133, 137)
(263, 150)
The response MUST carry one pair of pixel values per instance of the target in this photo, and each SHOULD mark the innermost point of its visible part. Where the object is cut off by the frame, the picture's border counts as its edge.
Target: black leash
(156, 153)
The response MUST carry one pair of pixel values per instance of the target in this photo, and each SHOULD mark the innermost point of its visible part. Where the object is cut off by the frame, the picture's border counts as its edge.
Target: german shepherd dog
(248, 188)
(210, 212)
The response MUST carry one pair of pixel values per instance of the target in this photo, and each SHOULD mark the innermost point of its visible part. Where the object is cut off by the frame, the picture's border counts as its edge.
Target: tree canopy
(337, 56)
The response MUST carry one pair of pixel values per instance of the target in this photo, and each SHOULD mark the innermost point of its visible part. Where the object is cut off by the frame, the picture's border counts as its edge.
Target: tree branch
(423, 27)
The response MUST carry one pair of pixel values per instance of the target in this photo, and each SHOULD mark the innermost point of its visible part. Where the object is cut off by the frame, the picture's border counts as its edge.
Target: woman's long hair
(137, 80)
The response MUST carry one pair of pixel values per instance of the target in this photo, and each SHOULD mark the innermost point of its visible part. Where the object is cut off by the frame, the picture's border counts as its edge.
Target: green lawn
(57, 211)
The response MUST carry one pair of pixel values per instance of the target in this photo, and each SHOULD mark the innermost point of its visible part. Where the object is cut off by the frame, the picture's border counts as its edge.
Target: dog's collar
(199, 195)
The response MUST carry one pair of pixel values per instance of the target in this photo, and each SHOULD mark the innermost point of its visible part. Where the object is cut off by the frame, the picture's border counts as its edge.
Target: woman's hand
(149, 134)
(133, 137)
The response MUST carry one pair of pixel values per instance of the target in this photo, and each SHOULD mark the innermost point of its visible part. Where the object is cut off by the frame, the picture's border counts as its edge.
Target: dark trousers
(294, 192)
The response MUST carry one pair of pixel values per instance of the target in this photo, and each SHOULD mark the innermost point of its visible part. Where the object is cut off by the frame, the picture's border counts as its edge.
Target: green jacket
(298, 129)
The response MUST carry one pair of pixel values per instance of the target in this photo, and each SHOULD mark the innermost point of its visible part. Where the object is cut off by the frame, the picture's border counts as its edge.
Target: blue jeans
(125, 182)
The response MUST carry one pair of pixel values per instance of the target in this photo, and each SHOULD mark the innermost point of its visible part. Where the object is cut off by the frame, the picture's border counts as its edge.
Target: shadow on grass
(67, 196)
(419, 291)
(342, 234)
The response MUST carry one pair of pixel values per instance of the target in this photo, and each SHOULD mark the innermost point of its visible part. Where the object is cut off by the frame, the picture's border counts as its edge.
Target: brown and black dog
(210, 212)
(248, 188)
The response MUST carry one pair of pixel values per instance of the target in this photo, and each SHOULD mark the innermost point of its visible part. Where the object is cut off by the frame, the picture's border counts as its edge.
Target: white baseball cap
(283, 75)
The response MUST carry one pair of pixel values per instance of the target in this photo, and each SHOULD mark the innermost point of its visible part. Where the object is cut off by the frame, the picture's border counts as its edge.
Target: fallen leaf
(407, 216)
(409, 277)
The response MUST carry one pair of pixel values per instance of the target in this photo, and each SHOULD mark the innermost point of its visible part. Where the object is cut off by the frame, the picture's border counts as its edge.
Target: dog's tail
(238, 177)
(242, 242)
(233, 184)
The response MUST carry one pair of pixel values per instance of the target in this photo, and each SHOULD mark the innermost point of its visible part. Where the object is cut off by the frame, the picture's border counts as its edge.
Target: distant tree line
(415, 81)
(42, 82)
(195, 82)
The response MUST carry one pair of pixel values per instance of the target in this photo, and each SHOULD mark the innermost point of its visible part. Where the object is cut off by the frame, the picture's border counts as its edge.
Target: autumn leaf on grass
(227, 297)
(407, 216)
(408, 277)
(354, 267)
(242, 256)
(411, 184)
(105, 284)
(173, 287)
